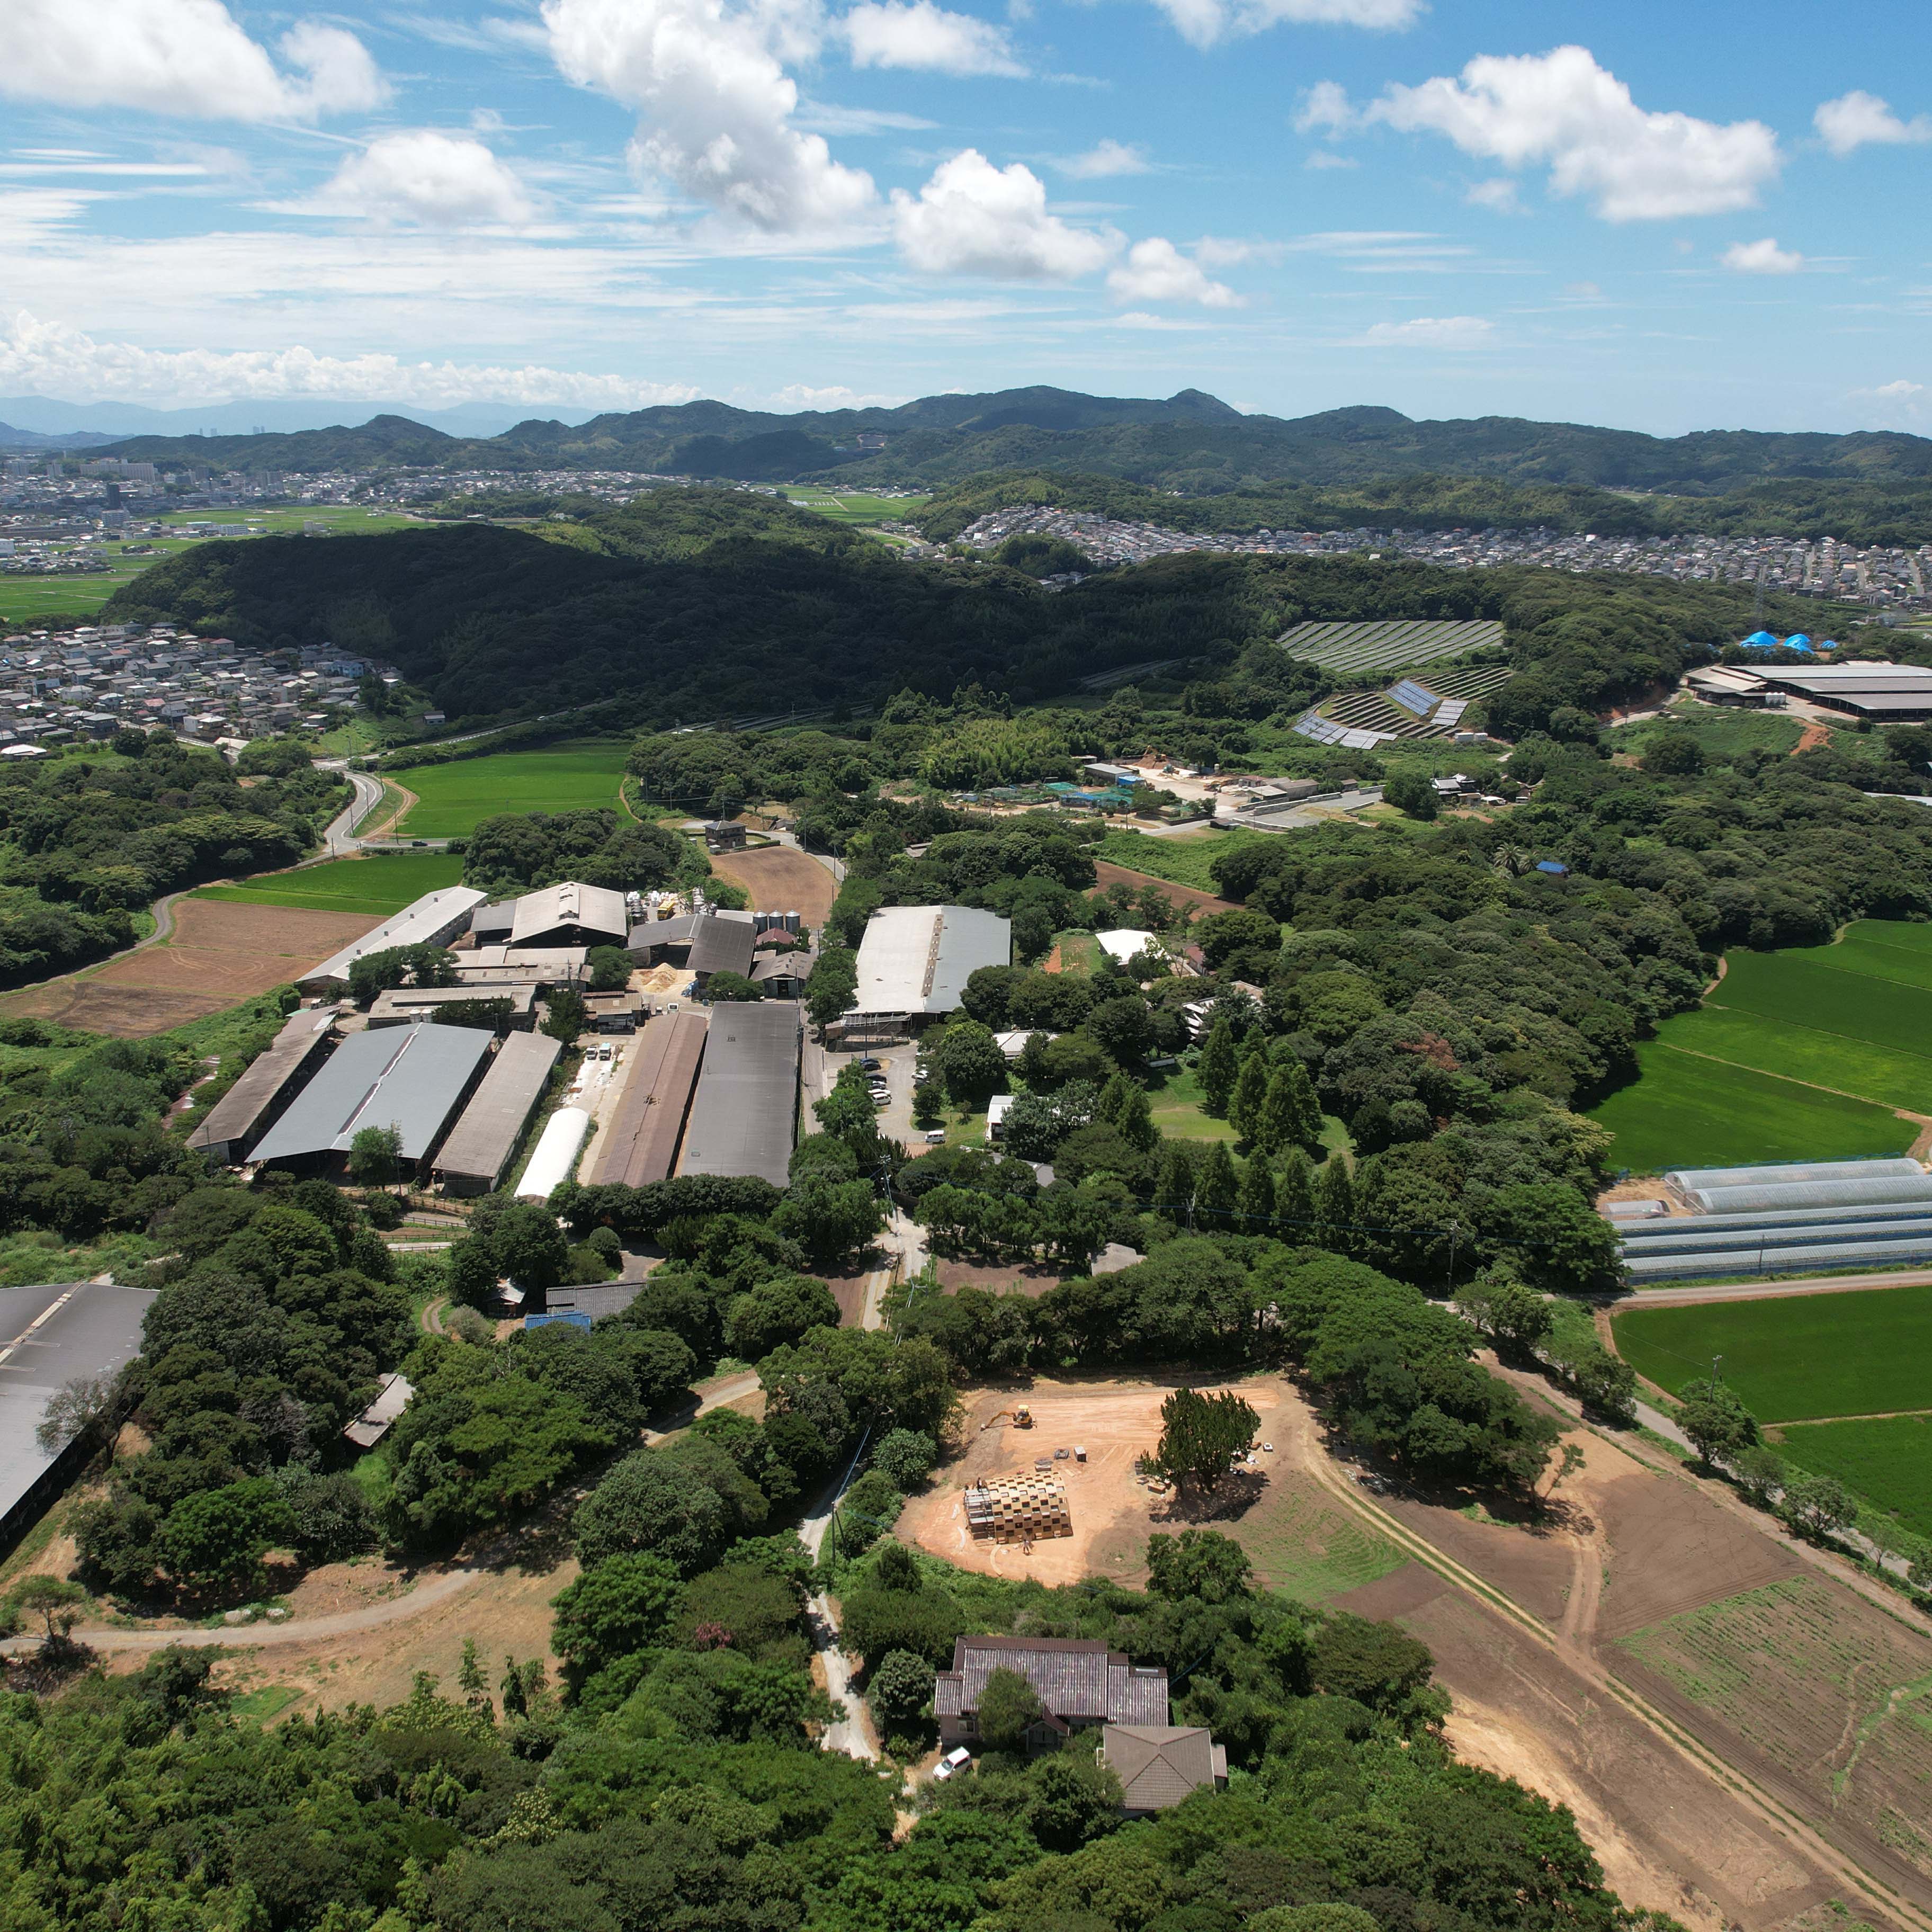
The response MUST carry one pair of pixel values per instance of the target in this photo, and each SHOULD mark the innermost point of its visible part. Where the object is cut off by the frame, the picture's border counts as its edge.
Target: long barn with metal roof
(479, 1147)
(744, 1116)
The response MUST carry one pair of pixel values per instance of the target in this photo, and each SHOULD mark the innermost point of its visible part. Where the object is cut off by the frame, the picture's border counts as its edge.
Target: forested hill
(692, 604)
(1190, 441)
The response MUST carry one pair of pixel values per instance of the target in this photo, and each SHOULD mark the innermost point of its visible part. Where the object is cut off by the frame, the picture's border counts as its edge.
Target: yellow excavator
(1021, 1417)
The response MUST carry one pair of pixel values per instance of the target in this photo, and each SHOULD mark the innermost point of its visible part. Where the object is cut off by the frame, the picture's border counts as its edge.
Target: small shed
(394, 1391)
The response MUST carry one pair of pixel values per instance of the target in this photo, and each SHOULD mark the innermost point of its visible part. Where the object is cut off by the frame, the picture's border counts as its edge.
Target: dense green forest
(690, 605)
(1191, 443)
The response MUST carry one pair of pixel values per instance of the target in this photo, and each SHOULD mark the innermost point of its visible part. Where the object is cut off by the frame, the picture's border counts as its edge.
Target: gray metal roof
(744, 1115)
(403, 1004)
(410, 1078)
(1077, 1679)
(49, 1336)
(434, 917)
(494, 923)
(722, 944)
(917, 959)
(572, 906)
(240, 1110)
(480, 1145)
(642, 1131)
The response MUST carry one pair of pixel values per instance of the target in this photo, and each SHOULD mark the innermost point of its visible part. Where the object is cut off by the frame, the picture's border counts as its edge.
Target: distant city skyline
(1657, 218)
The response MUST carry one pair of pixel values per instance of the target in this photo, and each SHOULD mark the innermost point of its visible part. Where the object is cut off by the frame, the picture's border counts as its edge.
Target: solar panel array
(1452, 711)
(1390, 643)
(1413, 696)
(1326, 731)
(1469, 681)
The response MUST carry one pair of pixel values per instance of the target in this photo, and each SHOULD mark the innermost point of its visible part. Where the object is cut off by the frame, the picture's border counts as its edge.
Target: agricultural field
(1722, 730)
(1885, 1459)
(452, 800)
(1794, 1358)
(381, 884)
(1848, 1024)
(24, 596)
(1185, 859)
(1828, 1689)
(855, 506)
(1306, 1546)
(1732, 1116)
(1390, 644)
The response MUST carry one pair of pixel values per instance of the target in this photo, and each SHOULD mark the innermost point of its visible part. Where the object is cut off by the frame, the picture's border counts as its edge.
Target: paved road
(340, 839)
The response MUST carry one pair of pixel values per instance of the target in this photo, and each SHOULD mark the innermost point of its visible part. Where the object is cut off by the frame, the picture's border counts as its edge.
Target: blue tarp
(1554, 866)
(575, 1317)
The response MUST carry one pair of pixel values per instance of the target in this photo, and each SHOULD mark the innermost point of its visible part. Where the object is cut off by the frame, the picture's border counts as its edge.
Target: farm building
(412, 1079)
(479, 1147)
(251, 1107)
(613, 1013)
(1160, 1765)
(521, 965)
(744, 1114)
(781, 976)
(492, 924)
(553, 1160)
(402, 1006)
(641, 1140)
(434, 920)
(1889, 693)
(570, 914)
(393, 1394)
(1791, 1219)
(1080, 1682)
(914, 962)
(49, 1336)
(704, 942)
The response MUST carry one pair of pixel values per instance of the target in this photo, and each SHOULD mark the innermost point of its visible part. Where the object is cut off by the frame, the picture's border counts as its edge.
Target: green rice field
(378, 885)
(1798, 1055)
(1888, 1462)
(850, 506)
(453, 798)
(1794, 1358)
(1733, 1116)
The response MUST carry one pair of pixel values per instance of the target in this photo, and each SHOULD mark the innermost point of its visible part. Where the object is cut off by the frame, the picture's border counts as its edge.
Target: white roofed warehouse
(434, 920)
(914, 962)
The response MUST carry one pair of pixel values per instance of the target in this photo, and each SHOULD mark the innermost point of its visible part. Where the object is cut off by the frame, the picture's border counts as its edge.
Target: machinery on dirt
(1021, 1417)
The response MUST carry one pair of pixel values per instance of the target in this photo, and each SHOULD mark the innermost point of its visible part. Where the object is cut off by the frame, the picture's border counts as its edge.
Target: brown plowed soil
(1003, 1279)
(780, 880)
(220, 953)
(1187, 898)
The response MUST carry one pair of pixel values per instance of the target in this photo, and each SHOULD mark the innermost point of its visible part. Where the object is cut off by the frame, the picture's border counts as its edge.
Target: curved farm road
(1730, 1830)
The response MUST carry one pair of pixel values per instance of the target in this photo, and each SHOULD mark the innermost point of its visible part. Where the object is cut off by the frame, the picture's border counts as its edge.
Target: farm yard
(452, 800)
(1390, 644)
(218, 955)
(376, 886)
(1810, 1053)
(780, 878)
(1793, 1358)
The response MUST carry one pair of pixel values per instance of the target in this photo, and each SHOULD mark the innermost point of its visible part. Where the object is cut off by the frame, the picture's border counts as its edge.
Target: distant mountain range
(42, 422)
(1191, 443)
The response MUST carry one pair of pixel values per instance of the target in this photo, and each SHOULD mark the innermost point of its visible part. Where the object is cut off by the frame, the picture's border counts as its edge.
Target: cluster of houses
(58, 687)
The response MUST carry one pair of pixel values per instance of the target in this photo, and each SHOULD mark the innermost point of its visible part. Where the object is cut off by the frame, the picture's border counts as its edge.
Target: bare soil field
(221, 953)
(1113, 1514)
(1185, 898)
(780, 879)
(1003, 1279)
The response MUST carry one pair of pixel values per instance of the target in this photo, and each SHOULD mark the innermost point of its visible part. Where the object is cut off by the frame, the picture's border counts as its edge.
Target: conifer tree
(1173, 1184)
(1220, 1067)
(1244, 1107)
(1257, 1198)
(1124, 1106)
(1294, 1197)
(1335, 1206)
(1216, 1188)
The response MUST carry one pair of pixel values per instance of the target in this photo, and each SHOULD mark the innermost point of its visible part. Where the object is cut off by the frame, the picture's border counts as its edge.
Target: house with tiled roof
(1159, 1765)
(1079, 1682)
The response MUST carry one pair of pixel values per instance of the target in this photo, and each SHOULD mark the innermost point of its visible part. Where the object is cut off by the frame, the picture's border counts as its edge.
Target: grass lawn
(1687, 1111)
(455, 798)
(1889, 1462)
(379, 885)
(1079, 952)
(78, 596)
(1176, 1099)
(1797, 1357)
(855, 506)
(1184, 860)
(1885, 948)
(1306, 1546)
(1721, 731)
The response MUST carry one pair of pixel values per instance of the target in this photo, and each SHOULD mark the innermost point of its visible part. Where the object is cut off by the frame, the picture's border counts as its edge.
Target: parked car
(952, 1763)
(935, 1137)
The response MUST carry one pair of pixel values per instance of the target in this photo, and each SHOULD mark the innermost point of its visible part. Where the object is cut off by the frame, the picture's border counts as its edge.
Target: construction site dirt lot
(780, 879)
(1186, 898)
(1113, 1513)
(219, 954)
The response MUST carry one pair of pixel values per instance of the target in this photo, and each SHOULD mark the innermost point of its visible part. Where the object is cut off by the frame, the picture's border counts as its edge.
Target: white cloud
(1900, 391)
(1762, 258)
(1204, 22)
(1499, 195)
(1106, 158)
(972, 218)
(425, 178)
(824, 117)
(1562, 110)
(181, 57)
(1325, 110)
(917, 34)
(1858, 119)
(1326, 157)
(716, 102)
(48, 359)
(802, 396)
(1431, 332)
(1155, 271)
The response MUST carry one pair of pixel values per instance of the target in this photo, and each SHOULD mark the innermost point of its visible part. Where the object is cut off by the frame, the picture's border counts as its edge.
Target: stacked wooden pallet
(1018, 1508)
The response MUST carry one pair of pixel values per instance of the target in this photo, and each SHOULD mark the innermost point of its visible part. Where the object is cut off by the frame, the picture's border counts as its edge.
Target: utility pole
(1717, 1362)
(1454, 1229)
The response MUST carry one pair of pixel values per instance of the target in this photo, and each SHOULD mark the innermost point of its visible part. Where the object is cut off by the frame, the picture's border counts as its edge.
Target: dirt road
(1769, 1290)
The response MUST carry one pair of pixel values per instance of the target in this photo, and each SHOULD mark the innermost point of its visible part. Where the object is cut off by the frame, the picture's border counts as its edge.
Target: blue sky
(1662, 216)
